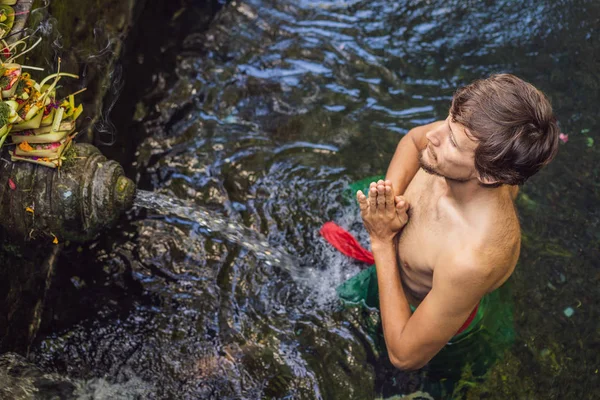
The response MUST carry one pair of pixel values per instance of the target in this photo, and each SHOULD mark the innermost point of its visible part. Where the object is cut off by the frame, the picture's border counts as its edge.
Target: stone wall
(88, 36)
(117, 47)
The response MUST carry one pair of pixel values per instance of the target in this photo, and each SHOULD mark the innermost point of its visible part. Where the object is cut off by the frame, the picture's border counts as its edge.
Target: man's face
(449, 152)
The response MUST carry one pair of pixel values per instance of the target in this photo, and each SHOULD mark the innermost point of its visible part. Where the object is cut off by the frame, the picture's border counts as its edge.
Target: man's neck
(465, 194)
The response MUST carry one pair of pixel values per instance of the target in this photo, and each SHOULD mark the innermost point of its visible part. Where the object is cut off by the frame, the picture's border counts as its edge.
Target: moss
(75, 22)
(504, 381)
(4, 113)
(4, 81)
(69, 158)
(10, 251)
(20, 87)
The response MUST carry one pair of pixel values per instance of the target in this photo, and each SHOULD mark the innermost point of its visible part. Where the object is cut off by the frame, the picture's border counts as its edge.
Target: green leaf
(7, 24)
(590, 141)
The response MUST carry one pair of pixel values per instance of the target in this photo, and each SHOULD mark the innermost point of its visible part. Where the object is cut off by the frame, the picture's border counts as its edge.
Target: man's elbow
(407, 363)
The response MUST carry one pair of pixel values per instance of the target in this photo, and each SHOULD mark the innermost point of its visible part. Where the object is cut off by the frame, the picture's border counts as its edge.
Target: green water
(265, 116)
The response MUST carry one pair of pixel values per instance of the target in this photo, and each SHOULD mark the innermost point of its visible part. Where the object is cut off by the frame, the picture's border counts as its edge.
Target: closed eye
(452, 140)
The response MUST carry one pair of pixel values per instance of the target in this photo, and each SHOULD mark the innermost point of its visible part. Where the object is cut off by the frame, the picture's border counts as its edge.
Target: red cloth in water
(469, 320)
(347, 244)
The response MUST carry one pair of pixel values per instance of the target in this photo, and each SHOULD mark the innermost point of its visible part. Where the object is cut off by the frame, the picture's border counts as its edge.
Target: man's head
(500, 130)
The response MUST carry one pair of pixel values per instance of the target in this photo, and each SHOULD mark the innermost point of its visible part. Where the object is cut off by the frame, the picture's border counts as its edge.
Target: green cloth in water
(363, 185)
(362, 290)
(476, 349)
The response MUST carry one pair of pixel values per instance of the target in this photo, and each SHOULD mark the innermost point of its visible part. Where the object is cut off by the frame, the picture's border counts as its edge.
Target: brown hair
(514, 124)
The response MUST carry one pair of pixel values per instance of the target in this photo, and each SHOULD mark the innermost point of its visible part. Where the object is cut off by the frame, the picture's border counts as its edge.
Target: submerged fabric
(362, 289)
(339, 238)
(363, 185)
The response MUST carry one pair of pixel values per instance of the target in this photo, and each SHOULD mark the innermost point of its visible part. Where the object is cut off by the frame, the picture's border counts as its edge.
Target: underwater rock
(19, 379)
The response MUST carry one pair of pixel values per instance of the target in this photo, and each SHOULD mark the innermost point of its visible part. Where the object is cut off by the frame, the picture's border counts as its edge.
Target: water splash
(213, 222)
(20, 379)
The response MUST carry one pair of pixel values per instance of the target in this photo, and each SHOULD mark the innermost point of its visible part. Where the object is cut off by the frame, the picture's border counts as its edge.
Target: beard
(430, 169)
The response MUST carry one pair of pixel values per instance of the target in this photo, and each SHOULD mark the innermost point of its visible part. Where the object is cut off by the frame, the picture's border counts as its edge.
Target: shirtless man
(443, 227)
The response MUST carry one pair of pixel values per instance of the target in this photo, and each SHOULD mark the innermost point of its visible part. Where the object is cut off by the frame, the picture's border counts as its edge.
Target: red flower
(564, 137)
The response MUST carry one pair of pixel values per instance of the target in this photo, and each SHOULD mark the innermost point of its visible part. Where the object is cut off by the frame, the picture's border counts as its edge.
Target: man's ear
(487, 180)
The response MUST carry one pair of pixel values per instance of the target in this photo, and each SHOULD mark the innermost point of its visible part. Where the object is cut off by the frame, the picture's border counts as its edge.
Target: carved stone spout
(74, 203)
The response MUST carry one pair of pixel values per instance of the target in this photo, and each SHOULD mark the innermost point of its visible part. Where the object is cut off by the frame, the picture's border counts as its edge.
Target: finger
(372, 198)
(380, 198)
(389, 198)
(380, 182)
(389, 183)
(362, 200)
(403, 218)
(401, 202)
(401, 210)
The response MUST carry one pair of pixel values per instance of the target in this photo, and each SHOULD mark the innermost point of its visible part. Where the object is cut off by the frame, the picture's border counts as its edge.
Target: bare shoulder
(486, 252)
(462, 281)
(476, 268)
(492, 259)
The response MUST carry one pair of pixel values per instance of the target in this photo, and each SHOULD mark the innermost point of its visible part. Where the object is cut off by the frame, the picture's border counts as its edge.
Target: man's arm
(458, 286)
(405, 162)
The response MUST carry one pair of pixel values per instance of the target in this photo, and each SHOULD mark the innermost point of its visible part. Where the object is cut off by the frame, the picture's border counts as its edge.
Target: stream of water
(215, 223)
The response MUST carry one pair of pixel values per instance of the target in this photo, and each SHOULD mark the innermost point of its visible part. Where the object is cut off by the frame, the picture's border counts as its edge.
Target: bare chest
(433, 234)
(424, 238)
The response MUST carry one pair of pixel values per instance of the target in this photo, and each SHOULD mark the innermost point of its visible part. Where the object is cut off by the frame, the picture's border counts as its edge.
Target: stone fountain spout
(73, 203)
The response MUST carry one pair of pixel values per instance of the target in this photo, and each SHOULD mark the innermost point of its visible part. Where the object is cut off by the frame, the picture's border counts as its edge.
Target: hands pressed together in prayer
(383, 214)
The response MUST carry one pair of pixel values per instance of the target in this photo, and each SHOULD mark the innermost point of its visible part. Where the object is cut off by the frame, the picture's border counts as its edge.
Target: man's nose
(433, 137)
